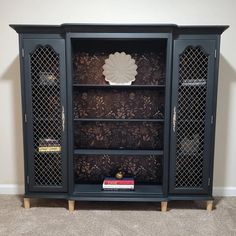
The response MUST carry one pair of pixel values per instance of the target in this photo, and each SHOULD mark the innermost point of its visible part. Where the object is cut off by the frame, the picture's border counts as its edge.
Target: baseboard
(19, 189)
(224, 191)
(12, 189)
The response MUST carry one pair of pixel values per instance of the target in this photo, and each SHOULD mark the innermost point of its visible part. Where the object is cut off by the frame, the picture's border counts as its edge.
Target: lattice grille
(192, 92)
(46, 114)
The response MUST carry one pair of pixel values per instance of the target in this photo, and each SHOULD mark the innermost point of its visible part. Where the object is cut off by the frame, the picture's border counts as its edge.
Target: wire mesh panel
(191, 114)
(46, 116)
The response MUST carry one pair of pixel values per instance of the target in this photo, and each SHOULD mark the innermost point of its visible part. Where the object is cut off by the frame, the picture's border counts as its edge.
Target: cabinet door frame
(29, 45)
(209, 47)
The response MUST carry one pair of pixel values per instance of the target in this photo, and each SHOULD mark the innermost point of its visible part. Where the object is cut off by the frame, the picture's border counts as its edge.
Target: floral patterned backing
(118, 135)
(94, 168)
(88, 67)
(114, 103)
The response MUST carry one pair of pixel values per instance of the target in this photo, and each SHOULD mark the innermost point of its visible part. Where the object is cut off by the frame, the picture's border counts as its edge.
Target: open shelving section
(118, 127)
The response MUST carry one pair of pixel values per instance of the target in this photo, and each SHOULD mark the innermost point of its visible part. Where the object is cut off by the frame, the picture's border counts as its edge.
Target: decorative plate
(120, 69)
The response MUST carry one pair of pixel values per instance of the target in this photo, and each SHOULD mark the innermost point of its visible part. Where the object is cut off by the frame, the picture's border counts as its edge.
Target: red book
(113, 181)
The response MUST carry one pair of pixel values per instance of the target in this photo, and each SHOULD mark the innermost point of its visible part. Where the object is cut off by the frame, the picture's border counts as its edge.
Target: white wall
(114, 11)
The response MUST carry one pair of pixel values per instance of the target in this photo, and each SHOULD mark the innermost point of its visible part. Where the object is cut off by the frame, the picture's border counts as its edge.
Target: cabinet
(79, 129)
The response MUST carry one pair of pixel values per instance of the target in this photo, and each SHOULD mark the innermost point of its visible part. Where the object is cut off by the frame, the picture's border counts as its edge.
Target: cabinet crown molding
(117, 28)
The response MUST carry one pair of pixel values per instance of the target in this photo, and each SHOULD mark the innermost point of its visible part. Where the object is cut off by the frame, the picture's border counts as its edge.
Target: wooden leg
(209, 205)
(26, 203)
(71, 204)
(164, 206)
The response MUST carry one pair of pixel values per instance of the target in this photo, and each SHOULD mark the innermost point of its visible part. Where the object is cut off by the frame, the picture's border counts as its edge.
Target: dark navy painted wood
(117, 120)
(59, 37)
(120, 28)
(29, 46)
(23, 102)
(167, 123)
(209, 47)
(214, 108)
(97, 86)
(116, 152)
(70, 115)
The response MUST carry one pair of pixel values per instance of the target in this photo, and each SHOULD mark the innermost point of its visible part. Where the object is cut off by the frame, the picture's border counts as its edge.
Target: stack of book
(118, 184)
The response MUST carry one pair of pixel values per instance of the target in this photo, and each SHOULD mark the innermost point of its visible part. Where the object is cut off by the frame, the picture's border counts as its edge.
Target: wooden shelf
(117, 86)
(140, 189)
(117, 152)
(117, 120)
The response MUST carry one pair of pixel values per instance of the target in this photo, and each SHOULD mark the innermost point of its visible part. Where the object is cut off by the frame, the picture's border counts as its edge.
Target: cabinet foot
(26, 203)
(209, 205)
(71, 205)
(164, 206)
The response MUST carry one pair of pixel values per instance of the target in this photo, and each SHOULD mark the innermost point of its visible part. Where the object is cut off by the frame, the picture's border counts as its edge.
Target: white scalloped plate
(120, 69)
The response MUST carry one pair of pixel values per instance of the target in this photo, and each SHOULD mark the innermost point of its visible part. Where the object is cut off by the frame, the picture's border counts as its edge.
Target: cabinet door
(45, 102)
(192, 91)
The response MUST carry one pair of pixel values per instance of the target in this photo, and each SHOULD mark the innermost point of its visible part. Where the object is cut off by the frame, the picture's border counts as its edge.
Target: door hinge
(209, 181)
(212, 119)
(27, 179)
(25, 118)
(22, 52)
(215, 53)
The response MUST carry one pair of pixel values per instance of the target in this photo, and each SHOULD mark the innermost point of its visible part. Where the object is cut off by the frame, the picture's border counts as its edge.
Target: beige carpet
(51, 217)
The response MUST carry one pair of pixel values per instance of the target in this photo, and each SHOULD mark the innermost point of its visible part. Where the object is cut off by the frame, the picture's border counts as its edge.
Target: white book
(116, 186)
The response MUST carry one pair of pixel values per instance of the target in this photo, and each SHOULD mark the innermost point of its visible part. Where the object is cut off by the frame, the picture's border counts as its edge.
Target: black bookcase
(159, 130)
